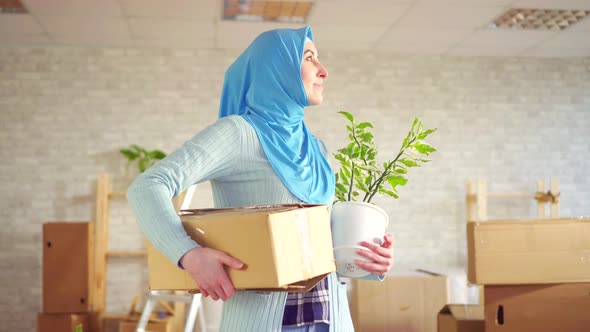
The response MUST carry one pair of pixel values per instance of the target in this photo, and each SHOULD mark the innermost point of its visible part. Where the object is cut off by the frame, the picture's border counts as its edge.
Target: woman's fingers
(372, 256)
(373, 268)
(382, 251)
(380, 256)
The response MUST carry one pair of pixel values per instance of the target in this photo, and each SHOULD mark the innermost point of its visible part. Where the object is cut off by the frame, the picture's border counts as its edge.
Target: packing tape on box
(301, 221)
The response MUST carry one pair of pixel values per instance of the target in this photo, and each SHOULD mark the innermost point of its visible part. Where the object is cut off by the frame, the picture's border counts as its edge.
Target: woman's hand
(206, 267)
(380, 257)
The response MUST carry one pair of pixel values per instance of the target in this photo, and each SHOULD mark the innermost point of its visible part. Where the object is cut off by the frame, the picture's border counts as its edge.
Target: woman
(259, 152)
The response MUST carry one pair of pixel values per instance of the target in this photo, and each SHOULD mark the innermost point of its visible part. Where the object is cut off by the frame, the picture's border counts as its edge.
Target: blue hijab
(264, 86)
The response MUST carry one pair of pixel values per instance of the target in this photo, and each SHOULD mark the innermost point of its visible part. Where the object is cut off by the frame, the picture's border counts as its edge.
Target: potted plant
(144, 158)
(360, 179)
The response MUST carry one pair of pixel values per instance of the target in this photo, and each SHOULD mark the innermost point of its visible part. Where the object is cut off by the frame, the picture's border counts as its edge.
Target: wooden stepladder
(477, 198)
(102, 253)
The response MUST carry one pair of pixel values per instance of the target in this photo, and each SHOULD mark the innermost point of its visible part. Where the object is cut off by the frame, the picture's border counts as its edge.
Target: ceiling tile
(78, 8)
(174, 29)
(437, 16)
(20, 24)
(8, 39)
(328, 46)
(484, 51)
(506, 38)
(171, 43)
(552, 52)
(470, 3)
(348, 33)
(357, 12)
(238, 35)
(552, 4)
(85, 29)
(569, 39)
(194, 9)
(421, 38)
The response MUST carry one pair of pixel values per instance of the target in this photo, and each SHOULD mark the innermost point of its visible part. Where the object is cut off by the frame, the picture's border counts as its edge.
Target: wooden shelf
(117, 194)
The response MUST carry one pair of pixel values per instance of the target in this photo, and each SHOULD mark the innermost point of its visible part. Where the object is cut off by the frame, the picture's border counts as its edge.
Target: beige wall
(65, 113)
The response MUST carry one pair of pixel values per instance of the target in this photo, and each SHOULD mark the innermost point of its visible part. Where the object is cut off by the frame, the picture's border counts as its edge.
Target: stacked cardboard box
(406, 301)
(68, 257)
(461, 318)
(536, 273)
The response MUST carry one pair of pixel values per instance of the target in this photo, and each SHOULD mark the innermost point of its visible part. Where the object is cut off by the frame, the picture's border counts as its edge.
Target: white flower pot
(353, 222)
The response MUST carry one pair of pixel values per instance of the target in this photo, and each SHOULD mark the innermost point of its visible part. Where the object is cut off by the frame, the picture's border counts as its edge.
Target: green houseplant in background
(144, 158)
(360, 179)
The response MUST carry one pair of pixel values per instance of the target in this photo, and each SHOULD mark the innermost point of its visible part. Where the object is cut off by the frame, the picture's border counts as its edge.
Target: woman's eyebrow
(312, 52)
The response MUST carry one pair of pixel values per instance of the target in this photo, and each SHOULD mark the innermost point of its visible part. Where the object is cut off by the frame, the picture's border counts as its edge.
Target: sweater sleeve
(211, 154)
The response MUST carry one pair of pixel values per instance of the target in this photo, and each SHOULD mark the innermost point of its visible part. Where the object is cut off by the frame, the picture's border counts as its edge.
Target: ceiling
(432, 27)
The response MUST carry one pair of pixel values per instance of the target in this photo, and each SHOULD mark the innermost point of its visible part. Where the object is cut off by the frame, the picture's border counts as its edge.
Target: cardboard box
(284, 247)
(529, 251)
(62, 322)
(68, 265)
(461, 318)
(539, 308)
(164, 324)
(407, 303)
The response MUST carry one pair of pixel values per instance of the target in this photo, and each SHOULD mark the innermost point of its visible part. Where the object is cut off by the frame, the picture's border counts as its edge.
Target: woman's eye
(309, 58)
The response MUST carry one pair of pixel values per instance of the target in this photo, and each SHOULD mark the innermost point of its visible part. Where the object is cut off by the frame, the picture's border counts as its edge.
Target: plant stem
(351, 180)
(373, 189)
(363, 159)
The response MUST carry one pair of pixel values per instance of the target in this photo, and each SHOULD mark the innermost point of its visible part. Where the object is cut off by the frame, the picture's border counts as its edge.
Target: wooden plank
(482, 199)
(554, 188)
(470, 200)
(540, 205)
(104, 186)
(117, 194)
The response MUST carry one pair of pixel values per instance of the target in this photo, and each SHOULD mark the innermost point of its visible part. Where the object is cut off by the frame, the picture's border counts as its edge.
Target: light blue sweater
(229, 154)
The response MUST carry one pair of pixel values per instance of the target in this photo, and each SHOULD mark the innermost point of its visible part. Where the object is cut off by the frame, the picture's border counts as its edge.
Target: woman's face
(313, 74)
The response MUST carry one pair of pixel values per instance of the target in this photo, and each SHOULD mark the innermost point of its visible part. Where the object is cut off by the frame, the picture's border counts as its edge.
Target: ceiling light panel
(538, 19)
(276, 11)
(12, 7)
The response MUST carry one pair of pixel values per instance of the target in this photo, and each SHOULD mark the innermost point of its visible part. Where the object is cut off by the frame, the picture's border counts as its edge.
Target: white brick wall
(65, 112)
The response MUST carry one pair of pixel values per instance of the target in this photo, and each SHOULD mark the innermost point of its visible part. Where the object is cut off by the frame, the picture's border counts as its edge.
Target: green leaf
(400, 170)
(408, 162)
(129, 154)
(143, 164)
(423, 148)
(366, 136)
(364, 125)
(389, 192)
(157, 154)
(425, 133)
(396, 180)
(360, 185)
(348, 116)
(341, 187)
(138, 149)
(414, 123)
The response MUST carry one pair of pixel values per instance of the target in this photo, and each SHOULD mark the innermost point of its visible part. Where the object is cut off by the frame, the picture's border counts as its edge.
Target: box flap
(245, 209)
(466, 312)
(296, 287)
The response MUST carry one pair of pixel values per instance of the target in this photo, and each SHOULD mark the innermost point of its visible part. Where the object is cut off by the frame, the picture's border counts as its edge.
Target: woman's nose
(323, 72)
